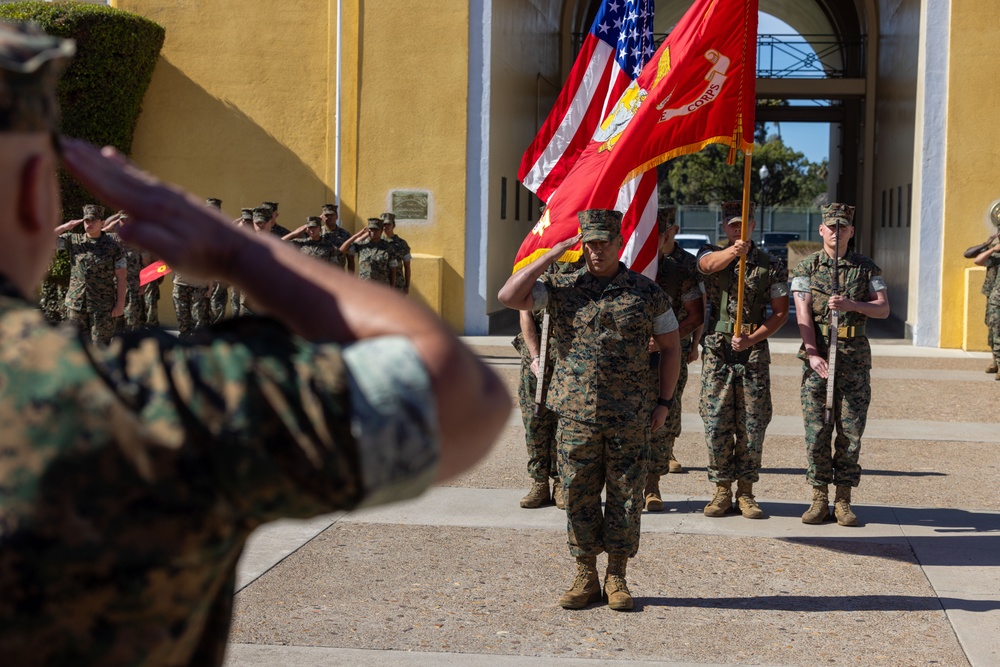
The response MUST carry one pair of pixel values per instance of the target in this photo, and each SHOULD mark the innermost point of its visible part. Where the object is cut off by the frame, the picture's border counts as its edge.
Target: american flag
(619, 44)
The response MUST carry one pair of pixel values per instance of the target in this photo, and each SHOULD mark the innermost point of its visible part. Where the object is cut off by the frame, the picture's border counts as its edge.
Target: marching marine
(853, 285)
(735, 376)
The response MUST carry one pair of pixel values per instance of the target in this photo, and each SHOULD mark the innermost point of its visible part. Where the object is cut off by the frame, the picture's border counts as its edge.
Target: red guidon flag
(152, 272)
(698, 89)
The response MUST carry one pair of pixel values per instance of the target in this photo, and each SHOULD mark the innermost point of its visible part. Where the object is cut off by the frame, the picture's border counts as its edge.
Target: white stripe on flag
(589, 87)
(646, 226)
(609, 103)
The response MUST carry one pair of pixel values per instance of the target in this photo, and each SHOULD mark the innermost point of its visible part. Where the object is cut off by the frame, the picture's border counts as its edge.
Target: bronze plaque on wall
(410, 204)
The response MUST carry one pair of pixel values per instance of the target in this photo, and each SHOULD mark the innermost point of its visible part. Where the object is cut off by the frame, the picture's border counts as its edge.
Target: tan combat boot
(586, 588)
(538, 494)
(615, 587)
(820, 508)
(675, 466)
(722, 502)
(746, 502)
(558, 494)
(654, 502)
(842, 507)
(992, 368)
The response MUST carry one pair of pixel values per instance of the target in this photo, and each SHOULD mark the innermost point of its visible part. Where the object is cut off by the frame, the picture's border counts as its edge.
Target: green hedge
(100, 93)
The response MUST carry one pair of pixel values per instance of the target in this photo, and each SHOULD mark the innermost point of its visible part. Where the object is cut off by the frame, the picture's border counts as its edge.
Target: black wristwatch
(668, 403)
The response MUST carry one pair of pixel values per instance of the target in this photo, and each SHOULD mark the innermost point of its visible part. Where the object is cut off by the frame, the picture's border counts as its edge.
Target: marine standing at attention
(735, 375)
(850, 283)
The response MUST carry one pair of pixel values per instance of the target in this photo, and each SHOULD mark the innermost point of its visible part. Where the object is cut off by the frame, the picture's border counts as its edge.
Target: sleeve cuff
(540, 294)
(393, 419)
(801, 284)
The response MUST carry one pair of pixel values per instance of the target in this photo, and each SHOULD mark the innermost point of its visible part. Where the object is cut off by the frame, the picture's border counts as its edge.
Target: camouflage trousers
(661, 443)
(993, 322)
(736, 408)
(539, 430)
(100, 324)
(851, 395)
(217, 302)
(134, 315)
(191, 305)
(235, 299)
(612, 457)
(151, 304)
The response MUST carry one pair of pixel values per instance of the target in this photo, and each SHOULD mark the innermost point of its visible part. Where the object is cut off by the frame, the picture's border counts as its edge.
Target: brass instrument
(993, 215)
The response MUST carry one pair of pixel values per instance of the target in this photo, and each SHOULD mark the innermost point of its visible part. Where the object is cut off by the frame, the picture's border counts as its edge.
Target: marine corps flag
(698, 89)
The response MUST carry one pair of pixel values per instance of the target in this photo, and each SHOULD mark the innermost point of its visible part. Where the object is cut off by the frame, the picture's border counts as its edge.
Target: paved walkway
(463, 576)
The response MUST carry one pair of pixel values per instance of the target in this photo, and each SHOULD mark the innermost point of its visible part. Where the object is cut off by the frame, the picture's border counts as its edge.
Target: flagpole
(747, 158)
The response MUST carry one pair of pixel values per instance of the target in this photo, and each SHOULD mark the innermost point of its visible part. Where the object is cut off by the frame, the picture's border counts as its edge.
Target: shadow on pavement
(802, 472)
(819, 604)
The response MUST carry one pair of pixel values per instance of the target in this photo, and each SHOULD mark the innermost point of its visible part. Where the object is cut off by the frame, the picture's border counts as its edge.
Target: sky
(811, 139)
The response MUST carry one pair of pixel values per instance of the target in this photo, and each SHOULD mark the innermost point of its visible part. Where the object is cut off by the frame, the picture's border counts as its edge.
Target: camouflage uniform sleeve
(779, 278)
(540, 294)
(274, 421)
(664, 320)
(705, 250)
(690, 284)
(393, 419)
(876, 283)
(405, 253)
(62, 241)
(802, 276)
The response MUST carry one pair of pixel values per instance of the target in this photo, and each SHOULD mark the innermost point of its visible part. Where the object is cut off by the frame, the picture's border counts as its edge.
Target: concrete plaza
(463, 576)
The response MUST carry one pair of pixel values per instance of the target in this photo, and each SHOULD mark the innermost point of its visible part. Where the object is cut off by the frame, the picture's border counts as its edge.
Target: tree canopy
(705, 177)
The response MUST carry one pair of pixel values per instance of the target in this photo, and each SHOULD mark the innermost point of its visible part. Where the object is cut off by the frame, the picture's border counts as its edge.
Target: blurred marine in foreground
(131, 476)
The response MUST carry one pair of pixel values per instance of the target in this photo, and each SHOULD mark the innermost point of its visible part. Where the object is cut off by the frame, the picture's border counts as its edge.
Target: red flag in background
(698, 89)
(613, 54)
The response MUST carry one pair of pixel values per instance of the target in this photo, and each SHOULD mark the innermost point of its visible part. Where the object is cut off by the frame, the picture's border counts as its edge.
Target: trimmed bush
(100, 93)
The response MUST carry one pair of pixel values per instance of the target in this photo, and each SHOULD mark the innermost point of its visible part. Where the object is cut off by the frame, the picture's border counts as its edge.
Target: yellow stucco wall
(972, 172)
(411, 126)
(974, 308)
(242, 107)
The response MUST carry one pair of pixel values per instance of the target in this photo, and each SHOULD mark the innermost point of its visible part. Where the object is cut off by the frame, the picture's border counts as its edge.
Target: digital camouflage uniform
(677, 275)
(600, 334)
(859, 279)
(92, 291)
(134, 474)
(190, 304)
(539, 429)
(319, 249)
(401, 251)
(335, 239)
(736, 387)
(375, 260)
(217, 302)
(134, 316)
(991, 288)
(151, 304)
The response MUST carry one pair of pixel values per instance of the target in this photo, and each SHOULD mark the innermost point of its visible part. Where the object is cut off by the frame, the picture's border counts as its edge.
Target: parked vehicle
(691, 243)
(776, 243)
